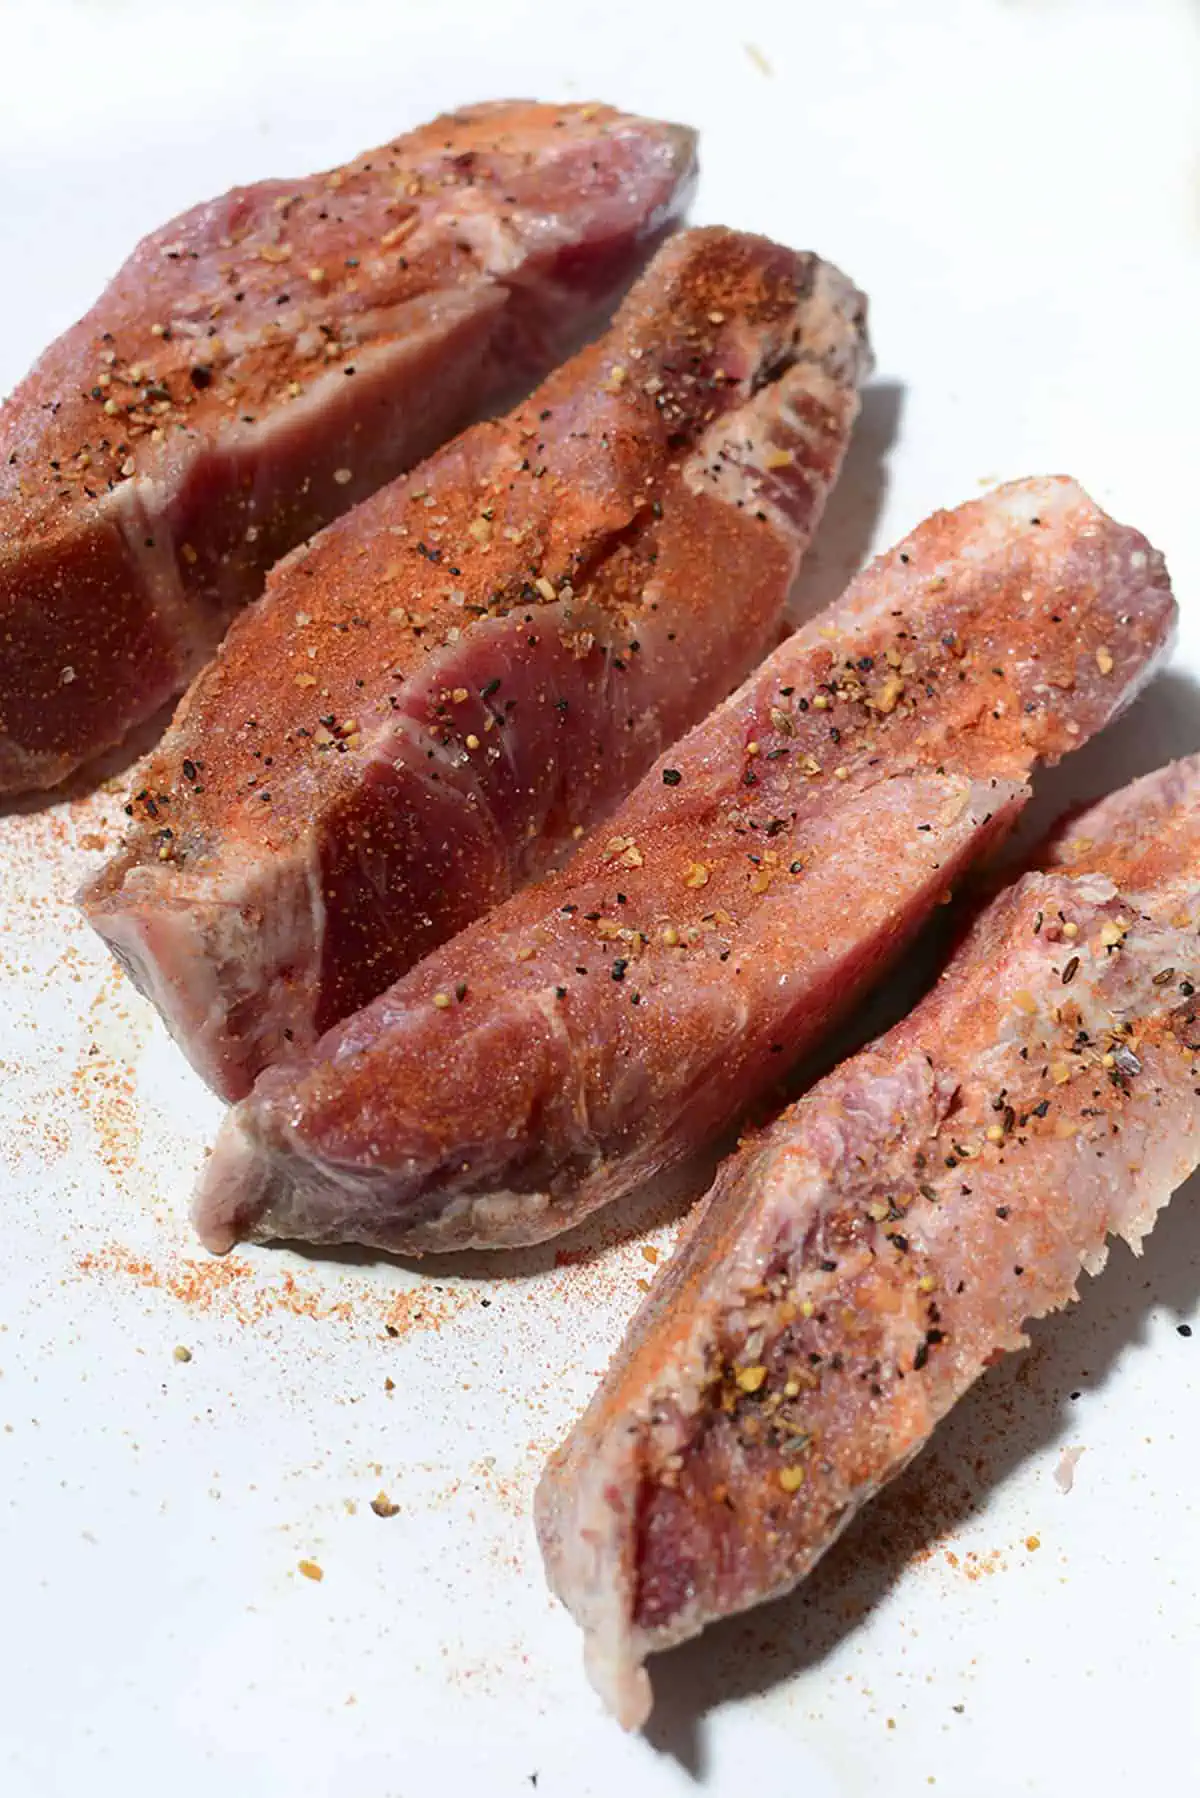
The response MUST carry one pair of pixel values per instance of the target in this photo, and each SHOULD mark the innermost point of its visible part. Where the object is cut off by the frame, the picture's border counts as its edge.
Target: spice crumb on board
(383, 1506)
(311, 1569)
(1064, 1473)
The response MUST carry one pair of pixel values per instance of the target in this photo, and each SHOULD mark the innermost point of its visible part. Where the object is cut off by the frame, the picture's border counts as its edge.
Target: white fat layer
(138, 509)
(253, 936)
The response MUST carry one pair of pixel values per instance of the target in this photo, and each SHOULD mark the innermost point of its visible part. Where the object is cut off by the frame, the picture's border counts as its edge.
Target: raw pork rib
(858, 1265)
(601, 1026)
(437, 695)
(269, 358)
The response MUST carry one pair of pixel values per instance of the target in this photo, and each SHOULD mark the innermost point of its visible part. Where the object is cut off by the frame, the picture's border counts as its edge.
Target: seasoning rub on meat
(438, 695)
(269, 358)
(601, 1026)
(857, 1265)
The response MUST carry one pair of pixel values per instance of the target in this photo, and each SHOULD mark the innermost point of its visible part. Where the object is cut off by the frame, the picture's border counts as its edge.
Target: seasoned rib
(857, 1266)
(602, 1026)
(439, 694)
(266, 360)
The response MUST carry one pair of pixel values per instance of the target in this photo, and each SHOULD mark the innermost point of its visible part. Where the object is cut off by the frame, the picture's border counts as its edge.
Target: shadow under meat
(1161, 725)
(87, 780)
(1022, 1406)
(847, 529)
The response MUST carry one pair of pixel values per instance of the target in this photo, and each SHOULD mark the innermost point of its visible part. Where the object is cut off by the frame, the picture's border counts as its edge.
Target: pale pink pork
(267, 359)
(602, 1026)
(858, 1265)
(439, 694)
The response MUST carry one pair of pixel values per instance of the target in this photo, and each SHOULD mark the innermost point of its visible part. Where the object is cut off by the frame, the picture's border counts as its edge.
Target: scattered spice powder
(235, 1288)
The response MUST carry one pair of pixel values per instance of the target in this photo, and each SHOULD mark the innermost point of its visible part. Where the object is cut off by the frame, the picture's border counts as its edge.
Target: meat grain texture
(603, 1025)
(857, 1266)
(438, 695)
(269, 358)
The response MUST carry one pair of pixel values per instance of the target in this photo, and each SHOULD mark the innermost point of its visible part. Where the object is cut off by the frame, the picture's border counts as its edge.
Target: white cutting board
(1018, 187)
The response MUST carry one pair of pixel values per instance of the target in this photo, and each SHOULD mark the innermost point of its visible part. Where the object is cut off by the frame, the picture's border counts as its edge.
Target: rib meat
(437, 695)
(268, 359)
(857, 1266)
(603, 1025)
